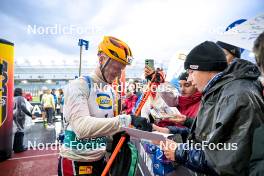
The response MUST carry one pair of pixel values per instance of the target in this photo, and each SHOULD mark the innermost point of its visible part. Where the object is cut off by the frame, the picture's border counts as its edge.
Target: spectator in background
(154, 100)
(188, 104)
(138, 91)
(28, 96)
(19, 114)
(61, 103)
(53, 93)
(231, 52)
(40, 96)
(130, 100)
(257, 157)
(43, 89)
(259, 51)
(48, 104)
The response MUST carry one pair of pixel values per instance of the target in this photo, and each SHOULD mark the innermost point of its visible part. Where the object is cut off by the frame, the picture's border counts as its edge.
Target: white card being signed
(139, 134)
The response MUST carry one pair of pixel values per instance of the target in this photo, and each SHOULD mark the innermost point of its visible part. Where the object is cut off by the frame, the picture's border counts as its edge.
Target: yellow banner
(6, 80)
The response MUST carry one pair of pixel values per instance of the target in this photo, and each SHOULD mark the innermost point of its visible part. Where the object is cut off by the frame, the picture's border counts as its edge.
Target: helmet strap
(102, 68)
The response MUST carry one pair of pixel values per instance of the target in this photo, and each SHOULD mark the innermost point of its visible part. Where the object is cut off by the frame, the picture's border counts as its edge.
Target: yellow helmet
(116, 49)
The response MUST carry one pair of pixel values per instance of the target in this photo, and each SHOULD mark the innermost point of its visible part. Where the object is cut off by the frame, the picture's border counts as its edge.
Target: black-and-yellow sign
(6, 80)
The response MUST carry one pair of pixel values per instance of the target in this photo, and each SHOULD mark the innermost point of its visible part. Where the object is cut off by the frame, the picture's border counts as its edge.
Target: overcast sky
(155, 29)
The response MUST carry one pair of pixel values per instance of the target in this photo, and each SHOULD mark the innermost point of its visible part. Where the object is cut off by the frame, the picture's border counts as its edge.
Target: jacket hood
(238, 69)
(241, 69)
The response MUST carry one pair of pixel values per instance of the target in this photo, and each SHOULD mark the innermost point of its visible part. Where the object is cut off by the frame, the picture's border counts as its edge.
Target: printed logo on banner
(36, 110)
(104, 101)
(3, 92)
(85, 170)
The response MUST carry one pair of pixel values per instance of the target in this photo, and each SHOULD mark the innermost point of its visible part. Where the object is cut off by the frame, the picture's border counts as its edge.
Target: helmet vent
(113, 53)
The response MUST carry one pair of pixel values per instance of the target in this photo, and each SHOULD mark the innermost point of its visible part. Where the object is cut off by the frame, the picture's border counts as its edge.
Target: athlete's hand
(124, 120)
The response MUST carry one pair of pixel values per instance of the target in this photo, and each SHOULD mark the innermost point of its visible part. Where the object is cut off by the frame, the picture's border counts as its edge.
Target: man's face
(113, 70)
(229, 56)
(199, 79)
(128, 94)
(186, 88)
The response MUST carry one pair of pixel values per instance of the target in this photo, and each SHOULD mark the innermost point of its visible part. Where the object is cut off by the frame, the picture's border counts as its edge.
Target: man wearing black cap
(231, 52)
(231, 109)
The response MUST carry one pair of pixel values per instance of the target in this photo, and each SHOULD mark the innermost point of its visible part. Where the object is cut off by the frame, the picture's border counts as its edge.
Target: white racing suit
(87, 111)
